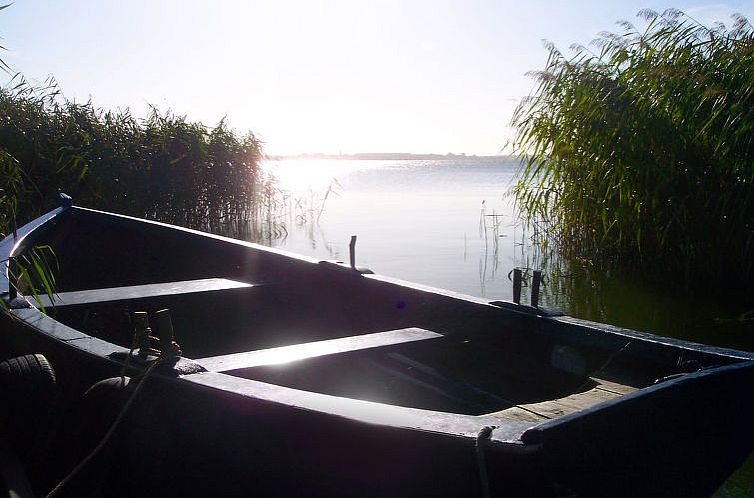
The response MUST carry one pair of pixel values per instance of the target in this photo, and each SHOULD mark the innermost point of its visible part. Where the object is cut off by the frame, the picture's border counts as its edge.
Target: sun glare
(301, 175)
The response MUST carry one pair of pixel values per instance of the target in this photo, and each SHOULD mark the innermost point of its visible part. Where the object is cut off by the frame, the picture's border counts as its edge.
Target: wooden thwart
(284, 354)
(143, 291)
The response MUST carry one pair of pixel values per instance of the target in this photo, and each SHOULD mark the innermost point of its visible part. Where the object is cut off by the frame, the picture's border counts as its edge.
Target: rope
(127, 363)
(109, 433)
(484, 435)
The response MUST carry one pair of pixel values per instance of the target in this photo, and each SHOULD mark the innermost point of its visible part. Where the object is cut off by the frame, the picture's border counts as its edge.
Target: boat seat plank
(545, 410)
(518, 413)
(284, 354)
(93, 296)
(569, 404)
(613, 387)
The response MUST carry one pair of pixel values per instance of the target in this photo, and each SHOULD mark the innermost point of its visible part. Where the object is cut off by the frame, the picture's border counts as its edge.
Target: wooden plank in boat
(569, 404)
(285, 354)
(545, 410)
(93, 296)
(613, 387)
(517, 413)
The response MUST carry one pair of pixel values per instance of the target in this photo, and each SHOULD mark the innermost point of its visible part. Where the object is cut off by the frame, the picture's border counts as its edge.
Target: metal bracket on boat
(168, 347)
(352, 251)
(340, 265)
(517, 285)
(18, 303)
(352, 257)
(168, 352)
(12, 279)
(529, 310)
(143, 338)
(352, 260)
(15, 303)
(13, 300)
(536, 280)
(66, 200)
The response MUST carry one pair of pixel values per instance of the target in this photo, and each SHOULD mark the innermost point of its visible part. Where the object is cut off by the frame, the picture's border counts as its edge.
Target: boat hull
(230, 422)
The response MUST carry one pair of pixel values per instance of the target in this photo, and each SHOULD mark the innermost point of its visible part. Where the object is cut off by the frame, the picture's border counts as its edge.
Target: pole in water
(536, 279)
(517, 285)
(352, 251)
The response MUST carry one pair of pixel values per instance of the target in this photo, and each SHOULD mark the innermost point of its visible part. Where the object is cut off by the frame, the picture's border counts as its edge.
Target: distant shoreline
(395, 156)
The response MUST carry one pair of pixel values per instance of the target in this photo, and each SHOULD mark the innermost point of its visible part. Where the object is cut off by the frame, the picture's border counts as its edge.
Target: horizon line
(384, 155)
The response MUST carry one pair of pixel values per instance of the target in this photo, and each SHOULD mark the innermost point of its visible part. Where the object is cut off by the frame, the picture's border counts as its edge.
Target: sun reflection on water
(297, 176)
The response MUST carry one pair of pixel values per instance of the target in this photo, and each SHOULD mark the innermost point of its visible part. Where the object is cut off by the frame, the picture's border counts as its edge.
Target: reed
(164, 167)
(11, 187)
(641, 151)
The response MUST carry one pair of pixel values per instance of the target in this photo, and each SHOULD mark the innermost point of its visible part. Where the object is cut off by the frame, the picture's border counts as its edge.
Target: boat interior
(260, 314)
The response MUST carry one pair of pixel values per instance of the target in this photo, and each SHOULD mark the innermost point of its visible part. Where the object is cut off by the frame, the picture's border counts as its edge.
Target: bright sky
(424, 76)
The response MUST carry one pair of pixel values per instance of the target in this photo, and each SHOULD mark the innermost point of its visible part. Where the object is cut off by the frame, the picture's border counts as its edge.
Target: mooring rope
(483, 436)
(109, 433)
(127, 363)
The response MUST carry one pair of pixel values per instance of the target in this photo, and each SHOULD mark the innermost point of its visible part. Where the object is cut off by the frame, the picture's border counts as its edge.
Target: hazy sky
(315, 76)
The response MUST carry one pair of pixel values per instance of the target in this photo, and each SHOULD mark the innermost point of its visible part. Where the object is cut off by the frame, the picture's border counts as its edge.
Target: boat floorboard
(93, 296)
(545, 410)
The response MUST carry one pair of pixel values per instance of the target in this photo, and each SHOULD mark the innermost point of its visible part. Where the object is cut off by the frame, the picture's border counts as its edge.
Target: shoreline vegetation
(164, 167)
(640, 152)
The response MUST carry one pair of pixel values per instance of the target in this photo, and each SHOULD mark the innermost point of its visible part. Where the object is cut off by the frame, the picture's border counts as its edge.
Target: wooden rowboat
(301, 377)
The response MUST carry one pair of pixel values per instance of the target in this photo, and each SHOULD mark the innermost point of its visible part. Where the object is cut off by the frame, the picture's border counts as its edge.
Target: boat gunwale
(648, 337)
(10, 244)
(585, 325)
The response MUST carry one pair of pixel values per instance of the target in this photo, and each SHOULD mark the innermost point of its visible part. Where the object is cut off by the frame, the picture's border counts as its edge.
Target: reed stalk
(164, 167)
(641, 151)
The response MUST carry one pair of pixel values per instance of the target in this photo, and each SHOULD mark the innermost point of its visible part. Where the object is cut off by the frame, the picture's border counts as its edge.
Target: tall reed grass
(641, 152)
(164, 167)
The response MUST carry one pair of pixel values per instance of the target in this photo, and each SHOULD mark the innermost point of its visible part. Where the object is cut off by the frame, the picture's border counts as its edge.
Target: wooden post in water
(352, 251)
(517, 285)
(536, 279)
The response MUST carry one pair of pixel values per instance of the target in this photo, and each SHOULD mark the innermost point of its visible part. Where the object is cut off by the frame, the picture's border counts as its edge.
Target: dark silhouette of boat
(289, 376)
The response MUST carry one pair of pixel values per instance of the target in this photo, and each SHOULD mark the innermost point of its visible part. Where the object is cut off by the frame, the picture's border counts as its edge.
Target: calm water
(451, 224)
(416, 220)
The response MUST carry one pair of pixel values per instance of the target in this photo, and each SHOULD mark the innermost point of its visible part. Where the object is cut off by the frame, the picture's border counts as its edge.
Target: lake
(452, 224)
